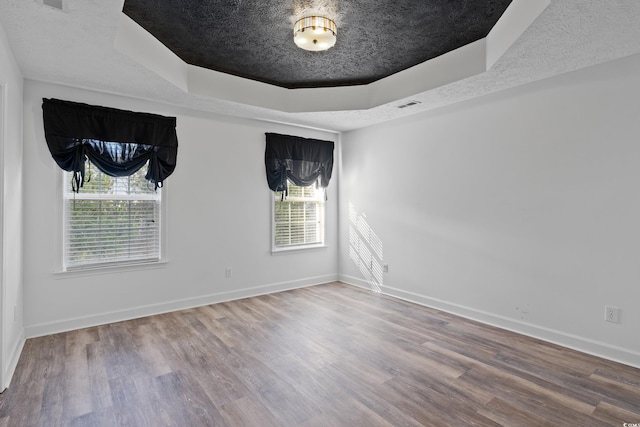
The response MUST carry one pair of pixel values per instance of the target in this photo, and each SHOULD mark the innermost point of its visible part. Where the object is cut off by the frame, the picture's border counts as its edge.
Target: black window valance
(302, 160)
(118, 142)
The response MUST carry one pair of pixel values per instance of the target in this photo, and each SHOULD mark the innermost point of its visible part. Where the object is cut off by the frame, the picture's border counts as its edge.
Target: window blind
(113, 220)
(299, 219)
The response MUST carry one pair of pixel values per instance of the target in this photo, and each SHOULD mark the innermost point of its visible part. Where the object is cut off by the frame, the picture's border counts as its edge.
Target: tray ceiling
(254, 40)
(94, 45)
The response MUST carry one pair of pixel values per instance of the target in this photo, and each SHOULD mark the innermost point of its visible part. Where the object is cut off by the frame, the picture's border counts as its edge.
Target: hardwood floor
(329, 355)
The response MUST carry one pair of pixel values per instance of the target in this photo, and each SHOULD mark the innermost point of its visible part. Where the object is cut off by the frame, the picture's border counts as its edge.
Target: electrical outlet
(228, 272)
(385, 268)
(611, 314)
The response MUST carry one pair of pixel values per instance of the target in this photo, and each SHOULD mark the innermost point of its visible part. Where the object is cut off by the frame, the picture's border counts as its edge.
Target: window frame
(60, 267)
(298, 247)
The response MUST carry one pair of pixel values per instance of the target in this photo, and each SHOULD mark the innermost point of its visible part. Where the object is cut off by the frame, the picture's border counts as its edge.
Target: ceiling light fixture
(315, 33)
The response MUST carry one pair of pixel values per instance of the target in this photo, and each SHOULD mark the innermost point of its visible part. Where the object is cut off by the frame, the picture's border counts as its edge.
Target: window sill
(295, 249)
(110, 269)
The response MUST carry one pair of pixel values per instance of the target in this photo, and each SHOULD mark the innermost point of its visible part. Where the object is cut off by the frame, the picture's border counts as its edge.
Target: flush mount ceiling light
(315, 33)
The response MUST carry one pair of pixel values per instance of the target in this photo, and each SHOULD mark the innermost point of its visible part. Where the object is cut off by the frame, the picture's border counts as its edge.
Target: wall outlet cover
(611, 314)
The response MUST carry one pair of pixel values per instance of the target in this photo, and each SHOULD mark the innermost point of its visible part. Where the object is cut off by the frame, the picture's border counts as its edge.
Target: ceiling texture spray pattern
(254, 39)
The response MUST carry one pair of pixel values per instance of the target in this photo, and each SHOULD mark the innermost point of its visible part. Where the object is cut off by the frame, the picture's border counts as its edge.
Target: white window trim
(116, 267)
(296, 248)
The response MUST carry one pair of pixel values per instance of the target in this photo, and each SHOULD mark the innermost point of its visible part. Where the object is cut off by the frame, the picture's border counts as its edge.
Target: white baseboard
(152, 309)
(14, 356)
(585, 345)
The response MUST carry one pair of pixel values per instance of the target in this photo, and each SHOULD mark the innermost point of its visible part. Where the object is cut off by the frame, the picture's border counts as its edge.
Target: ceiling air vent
(57, 4)
(409, 104)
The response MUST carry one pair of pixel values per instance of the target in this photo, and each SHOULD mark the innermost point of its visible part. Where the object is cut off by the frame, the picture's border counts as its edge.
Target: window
(299, 218)
(111, 221)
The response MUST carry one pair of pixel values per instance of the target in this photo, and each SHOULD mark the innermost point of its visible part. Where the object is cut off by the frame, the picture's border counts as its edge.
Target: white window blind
(111, 221)
(299, 218)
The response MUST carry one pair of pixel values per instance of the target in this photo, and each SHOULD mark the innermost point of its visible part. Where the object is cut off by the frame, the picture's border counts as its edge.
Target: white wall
(11, 335)
(219, 216)
(520, 209)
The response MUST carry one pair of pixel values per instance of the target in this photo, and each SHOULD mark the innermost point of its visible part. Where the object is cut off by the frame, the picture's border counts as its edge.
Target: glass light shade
(315, 33)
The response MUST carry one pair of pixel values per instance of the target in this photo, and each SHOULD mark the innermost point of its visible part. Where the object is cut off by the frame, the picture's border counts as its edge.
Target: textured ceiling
(254, 39)
(74, 47)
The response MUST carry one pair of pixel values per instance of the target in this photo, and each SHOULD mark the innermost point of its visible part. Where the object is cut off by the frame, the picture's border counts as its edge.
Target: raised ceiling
(254, 39)
(92, 44)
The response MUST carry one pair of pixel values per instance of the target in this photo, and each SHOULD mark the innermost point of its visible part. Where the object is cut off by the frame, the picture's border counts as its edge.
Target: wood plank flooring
(329, 355)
